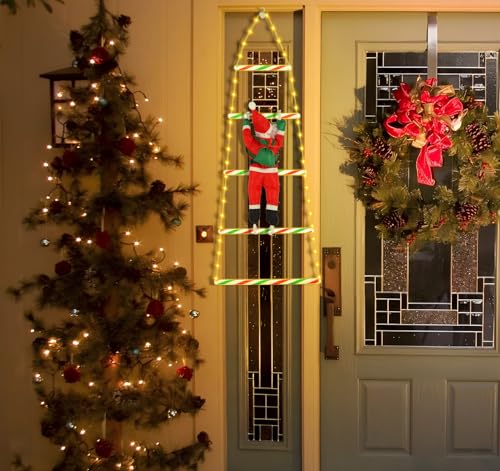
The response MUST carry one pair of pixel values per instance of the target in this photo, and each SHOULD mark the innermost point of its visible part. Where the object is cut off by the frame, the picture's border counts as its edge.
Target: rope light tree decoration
(119, 359)
(263, 17)
(441, 125)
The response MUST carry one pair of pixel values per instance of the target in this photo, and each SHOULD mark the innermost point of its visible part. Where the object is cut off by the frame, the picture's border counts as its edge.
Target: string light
(262, 15)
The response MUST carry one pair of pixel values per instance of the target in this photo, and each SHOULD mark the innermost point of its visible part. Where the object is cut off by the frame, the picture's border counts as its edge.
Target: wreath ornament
(442, 125)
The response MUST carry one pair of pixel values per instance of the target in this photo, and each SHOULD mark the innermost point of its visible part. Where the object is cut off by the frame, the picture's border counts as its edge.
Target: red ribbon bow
(427, 115)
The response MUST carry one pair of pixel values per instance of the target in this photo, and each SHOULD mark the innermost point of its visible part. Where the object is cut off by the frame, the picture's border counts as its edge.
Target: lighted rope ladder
(294, 115)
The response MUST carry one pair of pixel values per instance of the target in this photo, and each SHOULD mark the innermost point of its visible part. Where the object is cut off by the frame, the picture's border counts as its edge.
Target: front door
(417, 391)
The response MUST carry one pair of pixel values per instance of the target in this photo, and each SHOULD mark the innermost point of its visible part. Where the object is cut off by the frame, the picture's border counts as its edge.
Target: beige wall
(176, 56)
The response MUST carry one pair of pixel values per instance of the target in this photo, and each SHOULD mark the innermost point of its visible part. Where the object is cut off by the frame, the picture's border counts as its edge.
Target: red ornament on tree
(103, 239)
(72, 374)
(103, 448)
(185, 372)
(69, 159)
(62, 268)
(56, 207)
(126, 146)
(155, 308)
(204, 439)
(99, 55)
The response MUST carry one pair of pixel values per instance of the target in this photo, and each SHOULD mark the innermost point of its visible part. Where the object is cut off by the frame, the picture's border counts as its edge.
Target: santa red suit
(263, 142)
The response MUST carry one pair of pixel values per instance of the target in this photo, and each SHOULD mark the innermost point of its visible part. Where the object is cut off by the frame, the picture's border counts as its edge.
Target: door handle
(332, 305)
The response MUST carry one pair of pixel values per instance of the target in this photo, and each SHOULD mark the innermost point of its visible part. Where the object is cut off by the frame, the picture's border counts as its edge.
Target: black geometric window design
(441, 295)
(265, 303)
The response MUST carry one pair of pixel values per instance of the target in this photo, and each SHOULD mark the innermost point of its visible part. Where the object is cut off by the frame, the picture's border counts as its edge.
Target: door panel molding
(385, 416)
(474, 434)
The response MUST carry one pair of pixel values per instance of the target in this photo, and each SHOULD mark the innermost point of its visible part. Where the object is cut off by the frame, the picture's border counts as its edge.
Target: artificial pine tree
(117, 359)
(12, 5)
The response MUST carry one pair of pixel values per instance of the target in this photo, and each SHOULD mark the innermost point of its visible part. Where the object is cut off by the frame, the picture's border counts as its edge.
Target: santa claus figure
(263, 141)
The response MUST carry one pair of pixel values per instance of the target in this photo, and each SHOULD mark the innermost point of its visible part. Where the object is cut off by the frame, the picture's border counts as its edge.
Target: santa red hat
(261, 125)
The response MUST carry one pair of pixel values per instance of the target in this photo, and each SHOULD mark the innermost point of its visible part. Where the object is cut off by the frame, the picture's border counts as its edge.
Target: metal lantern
(60, 100)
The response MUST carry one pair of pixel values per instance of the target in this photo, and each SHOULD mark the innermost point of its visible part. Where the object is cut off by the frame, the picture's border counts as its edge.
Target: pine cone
(370, 172)
(465, 213)
(393, 220)
(369, 175)
(479, 137)
(471, 103)
(382, 148)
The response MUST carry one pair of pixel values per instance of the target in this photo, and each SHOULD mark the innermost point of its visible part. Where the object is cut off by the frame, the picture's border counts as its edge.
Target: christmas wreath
(436, 123)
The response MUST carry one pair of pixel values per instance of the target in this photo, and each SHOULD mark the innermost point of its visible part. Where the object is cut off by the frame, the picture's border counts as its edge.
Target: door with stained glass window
(416, 385)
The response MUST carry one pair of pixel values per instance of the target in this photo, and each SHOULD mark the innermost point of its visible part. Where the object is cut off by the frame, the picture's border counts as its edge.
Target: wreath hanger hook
(432, 45)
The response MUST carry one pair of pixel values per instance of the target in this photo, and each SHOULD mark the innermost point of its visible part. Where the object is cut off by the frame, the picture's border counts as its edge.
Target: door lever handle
(331, 298)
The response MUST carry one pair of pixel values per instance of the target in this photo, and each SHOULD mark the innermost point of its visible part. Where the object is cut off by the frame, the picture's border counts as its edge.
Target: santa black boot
(273, 219)
(253, 218)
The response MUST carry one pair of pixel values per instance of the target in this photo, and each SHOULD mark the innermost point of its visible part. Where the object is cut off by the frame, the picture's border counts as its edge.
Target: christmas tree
(12, 5)
(110, 354)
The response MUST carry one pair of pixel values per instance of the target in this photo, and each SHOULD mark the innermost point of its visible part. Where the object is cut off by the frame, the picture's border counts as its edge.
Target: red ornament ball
(103, 448)
(62, 268)
(126, 146)
(155, 308)
(57, 164)
(70, 159)
(99, 55)
(72, 374)
(204, 439)
(56, 207)
(103, 239)
(185, 372)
